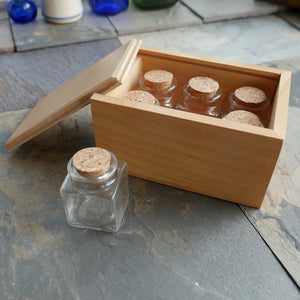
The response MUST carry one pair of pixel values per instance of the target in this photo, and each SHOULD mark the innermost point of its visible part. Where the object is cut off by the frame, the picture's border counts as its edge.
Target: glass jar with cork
(251, 99)
(162, 85)
(202, 95)
(95, 191)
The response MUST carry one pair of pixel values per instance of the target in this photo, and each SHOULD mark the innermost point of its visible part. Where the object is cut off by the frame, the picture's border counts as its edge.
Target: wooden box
(219, 158)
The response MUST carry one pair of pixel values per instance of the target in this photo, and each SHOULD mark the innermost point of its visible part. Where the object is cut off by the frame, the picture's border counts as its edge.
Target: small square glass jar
(162, 85)
(99, 202)
(200, 101)
(251, 99)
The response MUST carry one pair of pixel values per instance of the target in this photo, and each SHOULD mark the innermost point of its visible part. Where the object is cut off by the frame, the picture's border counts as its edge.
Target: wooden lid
(91, 162)
(250, 96)
(203, 87)
(75, 94)
(140, 96)
(245, 117)
(158, 79)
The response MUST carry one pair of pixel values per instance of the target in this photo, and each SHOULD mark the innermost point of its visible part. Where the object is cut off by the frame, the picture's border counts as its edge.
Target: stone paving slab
(28, 76)
(41, 34)
(135, 20)
(215, 10)
(252, 40)
(6, 38)
(172, 245)
(278, 221)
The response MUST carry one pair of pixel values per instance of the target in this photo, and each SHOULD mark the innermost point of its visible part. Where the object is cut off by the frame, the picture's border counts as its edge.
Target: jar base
(63, 20)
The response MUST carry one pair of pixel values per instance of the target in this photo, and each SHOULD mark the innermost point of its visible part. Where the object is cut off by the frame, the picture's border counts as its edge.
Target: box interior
(230, 77)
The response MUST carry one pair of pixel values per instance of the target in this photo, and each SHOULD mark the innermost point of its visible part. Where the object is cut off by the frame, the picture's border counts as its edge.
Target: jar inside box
(251, 99)
(202, 95)
(161, 84)
(228, 81)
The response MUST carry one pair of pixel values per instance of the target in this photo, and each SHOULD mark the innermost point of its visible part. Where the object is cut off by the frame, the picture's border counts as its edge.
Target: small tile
(215, 10)
(6, 41)
(252, 40)
(41, 34)
(135, 20)
(292, 16)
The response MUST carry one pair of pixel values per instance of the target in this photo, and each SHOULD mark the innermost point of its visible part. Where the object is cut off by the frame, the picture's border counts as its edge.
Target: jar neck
(203, 99)
(104, 180)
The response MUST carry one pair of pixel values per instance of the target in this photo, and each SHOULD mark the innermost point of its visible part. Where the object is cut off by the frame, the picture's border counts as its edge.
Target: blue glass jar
(108, 7)
(22, 11)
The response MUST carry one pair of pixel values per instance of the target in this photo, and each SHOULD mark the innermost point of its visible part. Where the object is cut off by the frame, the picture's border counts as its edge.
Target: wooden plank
(73, 95)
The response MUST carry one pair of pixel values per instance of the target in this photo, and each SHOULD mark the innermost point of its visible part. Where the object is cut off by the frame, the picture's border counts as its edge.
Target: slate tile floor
(38, 245)
(40, 34)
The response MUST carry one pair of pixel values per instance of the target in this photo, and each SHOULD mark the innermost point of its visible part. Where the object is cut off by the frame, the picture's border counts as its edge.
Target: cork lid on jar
(250, 96)
(91, 162)
(203, 87)
(245, 117)
(141, 96)
(158, 79)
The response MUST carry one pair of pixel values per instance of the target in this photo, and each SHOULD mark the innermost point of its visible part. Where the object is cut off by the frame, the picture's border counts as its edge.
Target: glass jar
(244, 117)
(95, 191)
(154, 4)
(141, 97)
(250, 99)
(162, 85)
(108, 7)
(22, 11)
(202, 95)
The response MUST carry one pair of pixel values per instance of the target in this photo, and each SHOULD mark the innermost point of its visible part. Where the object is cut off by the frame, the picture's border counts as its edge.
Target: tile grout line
(12, 34)
(193, 11)
(266, 243)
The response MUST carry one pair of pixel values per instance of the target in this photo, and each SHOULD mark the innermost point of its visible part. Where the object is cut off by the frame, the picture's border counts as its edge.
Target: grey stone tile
(292, 16)
(28, 76)
(279, 218)
(214, 10)
(41, 34)
(172, 245)
(253, 40)
(135, 20)
(3, 12)
(6, 40)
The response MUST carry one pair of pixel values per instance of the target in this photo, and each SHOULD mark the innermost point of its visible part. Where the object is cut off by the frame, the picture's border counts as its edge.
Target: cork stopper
(91, 162)
(250, 96)
(243, 116)
(203, 87)
(158, 79)
(140, 96)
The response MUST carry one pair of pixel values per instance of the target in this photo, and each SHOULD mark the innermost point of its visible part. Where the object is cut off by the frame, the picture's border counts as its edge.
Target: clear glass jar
(250, 99)
(205, 97)
(162, 85)
(98, 202)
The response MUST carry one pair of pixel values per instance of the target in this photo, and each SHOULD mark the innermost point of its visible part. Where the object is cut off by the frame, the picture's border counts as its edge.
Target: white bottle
(62, 11)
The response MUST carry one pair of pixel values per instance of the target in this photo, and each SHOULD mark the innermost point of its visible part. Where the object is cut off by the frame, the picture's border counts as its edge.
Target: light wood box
(219, 158)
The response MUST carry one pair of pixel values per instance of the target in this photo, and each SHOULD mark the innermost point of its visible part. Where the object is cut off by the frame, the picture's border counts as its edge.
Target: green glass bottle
(154, 4)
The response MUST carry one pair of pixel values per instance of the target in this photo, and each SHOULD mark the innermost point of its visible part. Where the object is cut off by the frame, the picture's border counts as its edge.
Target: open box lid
(75, 94)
